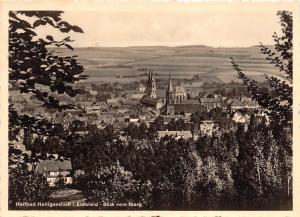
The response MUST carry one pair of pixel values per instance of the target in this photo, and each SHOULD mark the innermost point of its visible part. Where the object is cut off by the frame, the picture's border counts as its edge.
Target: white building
(53, 169)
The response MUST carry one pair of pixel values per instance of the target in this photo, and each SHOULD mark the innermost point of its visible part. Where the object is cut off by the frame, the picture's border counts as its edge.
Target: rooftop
(210, 100)
(53, 166)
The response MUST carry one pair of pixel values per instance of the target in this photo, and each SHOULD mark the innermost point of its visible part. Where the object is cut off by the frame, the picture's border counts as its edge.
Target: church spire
(152, 75)
(169, 92)
(151, 85)
(170, 88)
(149, 77)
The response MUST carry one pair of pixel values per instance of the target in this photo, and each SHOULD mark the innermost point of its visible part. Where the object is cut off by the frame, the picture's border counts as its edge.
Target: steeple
(169, 92)
(149, 77)
(170, 88)
(151, 85)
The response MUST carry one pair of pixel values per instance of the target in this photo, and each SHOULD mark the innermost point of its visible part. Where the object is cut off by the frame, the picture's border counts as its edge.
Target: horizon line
(170, 46)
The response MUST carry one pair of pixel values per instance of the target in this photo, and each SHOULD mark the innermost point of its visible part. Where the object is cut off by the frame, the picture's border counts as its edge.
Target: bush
(113, 185)
(27, 186)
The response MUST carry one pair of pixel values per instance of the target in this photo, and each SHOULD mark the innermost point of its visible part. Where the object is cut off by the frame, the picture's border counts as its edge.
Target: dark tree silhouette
(36, 69)
(279, 106)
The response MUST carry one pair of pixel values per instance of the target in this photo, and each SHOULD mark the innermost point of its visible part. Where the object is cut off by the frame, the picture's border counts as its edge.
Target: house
(114, 102)
(93, 109)
(123, 110)
(243, 103)
(141, 88)
(211, 103)
(131, 119)
(135, 96)
(53, 169)
(177, 134)
(111, 101)
(189, 106)
(239, 117)
(152, 102)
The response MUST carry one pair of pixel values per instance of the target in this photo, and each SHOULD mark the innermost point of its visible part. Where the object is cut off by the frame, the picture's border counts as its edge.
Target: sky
(172, 28)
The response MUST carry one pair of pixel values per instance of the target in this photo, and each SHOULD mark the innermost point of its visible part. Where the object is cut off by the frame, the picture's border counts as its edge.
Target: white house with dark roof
(53, 169)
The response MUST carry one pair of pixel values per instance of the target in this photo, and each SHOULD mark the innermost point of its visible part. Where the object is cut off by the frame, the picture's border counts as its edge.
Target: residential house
(141, 88)
(152, 102)
(53, 169)
(239, 117)
(93, 109)
(211, 103)
(243, 103)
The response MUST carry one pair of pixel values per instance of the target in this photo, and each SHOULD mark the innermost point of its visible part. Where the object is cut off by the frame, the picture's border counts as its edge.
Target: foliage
(211, 173)
(279, 107)
(113, 184)
(60, 182)
(35, 69)
(27, 186)
(32, 65)
(268, 160)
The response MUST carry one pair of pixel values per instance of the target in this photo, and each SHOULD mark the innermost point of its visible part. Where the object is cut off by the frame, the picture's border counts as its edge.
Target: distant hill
(130, 63)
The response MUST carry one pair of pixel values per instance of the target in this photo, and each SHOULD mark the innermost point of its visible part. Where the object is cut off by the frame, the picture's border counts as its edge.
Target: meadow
(124, 64)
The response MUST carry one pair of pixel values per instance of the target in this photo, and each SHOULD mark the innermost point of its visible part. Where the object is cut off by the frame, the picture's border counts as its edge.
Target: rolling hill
(104, 64)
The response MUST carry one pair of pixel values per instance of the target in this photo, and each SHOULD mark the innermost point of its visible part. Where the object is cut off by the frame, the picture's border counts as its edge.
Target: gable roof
(149, 101)
(191, 101)
(53, 166)
(244, 102)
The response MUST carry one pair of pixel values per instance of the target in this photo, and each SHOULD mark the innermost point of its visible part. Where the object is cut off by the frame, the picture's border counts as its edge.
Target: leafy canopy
(278, 105)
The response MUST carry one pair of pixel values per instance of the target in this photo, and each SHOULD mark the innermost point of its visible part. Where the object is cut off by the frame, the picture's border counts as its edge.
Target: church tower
(169, 92)
(151, 85)
(169, 107)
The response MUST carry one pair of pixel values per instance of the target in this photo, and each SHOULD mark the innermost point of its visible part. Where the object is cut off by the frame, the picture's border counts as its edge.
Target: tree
(279, 106)
(33, 65)
(27, 186)
(113, 184)
(35, 69)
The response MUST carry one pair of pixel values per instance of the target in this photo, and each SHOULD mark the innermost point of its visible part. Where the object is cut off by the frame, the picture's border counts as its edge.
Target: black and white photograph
(168, 110)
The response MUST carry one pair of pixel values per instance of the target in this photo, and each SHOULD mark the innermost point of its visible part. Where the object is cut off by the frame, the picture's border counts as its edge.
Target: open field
(211, 64)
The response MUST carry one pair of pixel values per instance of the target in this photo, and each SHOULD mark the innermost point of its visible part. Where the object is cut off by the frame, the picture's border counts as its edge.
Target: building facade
(55, 169)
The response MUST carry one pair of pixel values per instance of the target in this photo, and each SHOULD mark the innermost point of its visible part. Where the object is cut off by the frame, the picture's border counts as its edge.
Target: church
(174, 102)
(177, 102)
(151, 99)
